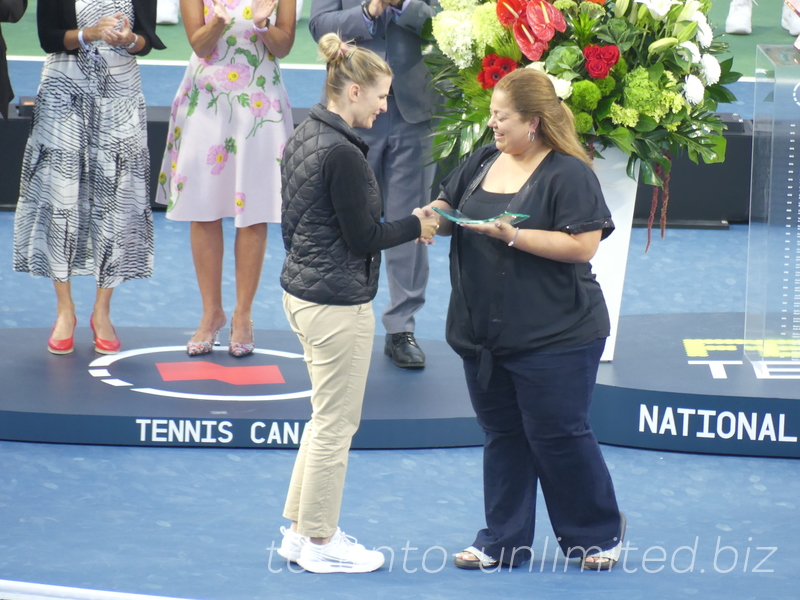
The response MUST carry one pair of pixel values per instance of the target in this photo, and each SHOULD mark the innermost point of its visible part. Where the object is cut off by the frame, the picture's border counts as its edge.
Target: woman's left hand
(262, 11)
(496, 229)
(122, 36)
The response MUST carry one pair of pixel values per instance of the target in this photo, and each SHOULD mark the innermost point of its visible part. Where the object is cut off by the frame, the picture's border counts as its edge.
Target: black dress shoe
(403, 349)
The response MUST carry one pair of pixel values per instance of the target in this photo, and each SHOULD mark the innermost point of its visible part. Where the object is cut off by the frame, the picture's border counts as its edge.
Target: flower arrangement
(641, 75)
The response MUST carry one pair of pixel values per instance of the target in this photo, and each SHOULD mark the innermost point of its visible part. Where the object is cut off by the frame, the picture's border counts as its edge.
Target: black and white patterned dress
(84, 193)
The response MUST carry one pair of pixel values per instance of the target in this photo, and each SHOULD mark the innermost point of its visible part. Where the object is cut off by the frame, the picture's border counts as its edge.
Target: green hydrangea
(458, 4)
(592, 9)
(583, 122)
(452, 30)
(626, 117)
(641, 94)
(673, 101)
(620, 69)
(566, 6)
(585, 96)
(486, 29)
(606, 85)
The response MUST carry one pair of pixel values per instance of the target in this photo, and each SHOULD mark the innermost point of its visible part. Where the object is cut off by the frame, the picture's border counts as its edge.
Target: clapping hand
(220, 14)
(104, 25)
(120, 33)
(376, 7)
(262, 11)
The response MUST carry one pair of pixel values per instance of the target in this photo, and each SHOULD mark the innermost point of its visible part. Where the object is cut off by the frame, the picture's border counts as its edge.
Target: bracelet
(365, 10)
(514, 239)
(82, 42)
(259, 29)
(133, 43)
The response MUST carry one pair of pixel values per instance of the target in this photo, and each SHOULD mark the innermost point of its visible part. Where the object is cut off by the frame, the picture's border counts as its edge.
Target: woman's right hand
(93, 34)
(429, 222)
(220, 15)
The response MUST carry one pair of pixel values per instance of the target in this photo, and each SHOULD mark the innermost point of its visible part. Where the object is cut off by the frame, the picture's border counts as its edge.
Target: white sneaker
(341, 555)
(790, 21)
(291, 544)
(740, 16)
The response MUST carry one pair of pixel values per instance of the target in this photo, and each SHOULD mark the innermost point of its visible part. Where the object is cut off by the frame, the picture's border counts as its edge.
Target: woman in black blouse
(529, 320)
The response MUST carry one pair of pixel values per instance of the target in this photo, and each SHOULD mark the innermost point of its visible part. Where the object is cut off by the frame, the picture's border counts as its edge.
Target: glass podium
(772, 317)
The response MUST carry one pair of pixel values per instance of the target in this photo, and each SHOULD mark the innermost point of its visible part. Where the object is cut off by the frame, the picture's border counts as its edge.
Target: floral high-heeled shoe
(102, 346)
(203, 346)
(239, 349)
(65, 346)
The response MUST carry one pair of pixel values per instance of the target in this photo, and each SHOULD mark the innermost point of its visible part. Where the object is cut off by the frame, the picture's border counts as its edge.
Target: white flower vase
(612, 257)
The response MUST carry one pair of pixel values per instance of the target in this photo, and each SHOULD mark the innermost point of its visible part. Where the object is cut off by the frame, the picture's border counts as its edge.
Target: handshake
(429, 223)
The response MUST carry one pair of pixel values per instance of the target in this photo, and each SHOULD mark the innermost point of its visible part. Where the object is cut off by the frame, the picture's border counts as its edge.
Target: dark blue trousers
(534, 413)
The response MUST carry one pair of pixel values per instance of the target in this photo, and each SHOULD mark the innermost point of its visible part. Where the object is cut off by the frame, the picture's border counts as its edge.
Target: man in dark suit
(11, 11)
(399, 143)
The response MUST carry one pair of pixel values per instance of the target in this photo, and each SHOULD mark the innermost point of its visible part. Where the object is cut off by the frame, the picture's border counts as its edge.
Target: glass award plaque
(772, 316)
(456, 216)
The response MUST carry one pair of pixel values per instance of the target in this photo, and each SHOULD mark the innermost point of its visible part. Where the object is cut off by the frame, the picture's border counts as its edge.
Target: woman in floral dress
(230, 120)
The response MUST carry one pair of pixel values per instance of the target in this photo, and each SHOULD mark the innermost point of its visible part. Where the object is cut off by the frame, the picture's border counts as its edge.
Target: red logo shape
(200, 370)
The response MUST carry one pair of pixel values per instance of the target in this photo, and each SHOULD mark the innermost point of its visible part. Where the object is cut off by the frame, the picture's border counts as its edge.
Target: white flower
(452, 29)
(562, 86)
(458, 4)
(690, 51)
(704, 35)
(710, 69)
(689, 10)
(658, 8)
(538, 66)
(693, 89)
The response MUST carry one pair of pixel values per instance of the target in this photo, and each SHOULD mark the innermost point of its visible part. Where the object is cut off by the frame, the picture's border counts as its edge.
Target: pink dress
(229, 123)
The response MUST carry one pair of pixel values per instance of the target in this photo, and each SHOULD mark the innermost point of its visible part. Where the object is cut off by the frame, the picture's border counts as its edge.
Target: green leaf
(623, 139)
(718, 150)
(193, 97)
(252, 59)
(646, 123)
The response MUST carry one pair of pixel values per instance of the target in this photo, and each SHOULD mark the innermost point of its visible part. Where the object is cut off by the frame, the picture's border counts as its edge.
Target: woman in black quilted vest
(333, 235)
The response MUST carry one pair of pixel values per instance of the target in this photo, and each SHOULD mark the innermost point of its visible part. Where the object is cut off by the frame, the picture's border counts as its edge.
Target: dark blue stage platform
(677, 382)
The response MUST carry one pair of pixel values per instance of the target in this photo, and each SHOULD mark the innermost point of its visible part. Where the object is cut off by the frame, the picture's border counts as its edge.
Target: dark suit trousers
(535, 417)
(398, 153)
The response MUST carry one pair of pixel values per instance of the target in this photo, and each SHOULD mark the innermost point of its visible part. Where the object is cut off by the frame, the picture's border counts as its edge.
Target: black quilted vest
(319, 266)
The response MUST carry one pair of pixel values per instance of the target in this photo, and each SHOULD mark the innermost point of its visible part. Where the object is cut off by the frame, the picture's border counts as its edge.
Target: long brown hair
(532, 94)
(349, 64)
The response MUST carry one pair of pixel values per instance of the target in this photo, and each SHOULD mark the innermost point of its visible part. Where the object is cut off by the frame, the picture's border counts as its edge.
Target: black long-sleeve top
(56, 17)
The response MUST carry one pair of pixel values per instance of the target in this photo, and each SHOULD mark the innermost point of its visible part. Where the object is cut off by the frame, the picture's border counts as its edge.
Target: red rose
(610, 54)
(489, 60)
(597, 68)
(591, 52)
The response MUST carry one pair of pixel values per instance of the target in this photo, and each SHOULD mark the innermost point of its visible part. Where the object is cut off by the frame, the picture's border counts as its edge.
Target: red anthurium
(509, 11)
(545, 19)
(531, 47)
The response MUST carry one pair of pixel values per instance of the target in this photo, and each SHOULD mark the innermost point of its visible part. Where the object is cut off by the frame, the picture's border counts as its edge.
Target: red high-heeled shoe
(102, 346)
(62, 346)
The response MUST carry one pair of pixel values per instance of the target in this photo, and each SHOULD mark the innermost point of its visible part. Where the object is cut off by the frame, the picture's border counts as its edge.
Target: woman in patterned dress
(84, 193)
(229, 123)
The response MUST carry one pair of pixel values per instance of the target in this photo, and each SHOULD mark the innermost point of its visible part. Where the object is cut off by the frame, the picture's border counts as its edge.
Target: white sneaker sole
(321, 566)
